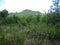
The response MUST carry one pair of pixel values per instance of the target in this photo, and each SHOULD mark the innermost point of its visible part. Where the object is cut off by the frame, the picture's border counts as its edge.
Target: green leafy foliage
(3, 13)
(39, 29)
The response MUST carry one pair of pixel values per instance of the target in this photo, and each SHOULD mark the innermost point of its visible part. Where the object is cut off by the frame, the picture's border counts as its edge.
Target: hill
(25, 12)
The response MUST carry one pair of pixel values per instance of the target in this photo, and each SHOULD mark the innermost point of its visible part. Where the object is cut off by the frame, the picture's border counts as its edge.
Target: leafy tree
(4, 13)
(56, 3)
(55, 7)
(54, 14)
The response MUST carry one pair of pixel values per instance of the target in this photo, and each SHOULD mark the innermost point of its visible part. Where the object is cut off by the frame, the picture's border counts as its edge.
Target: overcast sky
(19, 5)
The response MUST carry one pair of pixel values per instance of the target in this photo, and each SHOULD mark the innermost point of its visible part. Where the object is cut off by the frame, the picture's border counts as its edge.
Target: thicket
(39, 29)
(33, 29)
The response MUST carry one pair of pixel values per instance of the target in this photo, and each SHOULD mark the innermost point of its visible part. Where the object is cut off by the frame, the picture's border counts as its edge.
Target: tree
(56, 6)
(3, 13)
(54, 14)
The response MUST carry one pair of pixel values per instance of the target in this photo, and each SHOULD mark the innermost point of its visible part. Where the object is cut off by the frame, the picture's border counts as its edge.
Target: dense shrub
(4, 13)
(34, 28)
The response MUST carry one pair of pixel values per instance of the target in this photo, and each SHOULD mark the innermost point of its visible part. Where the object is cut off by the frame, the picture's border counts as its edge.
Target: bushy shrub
(4, 13)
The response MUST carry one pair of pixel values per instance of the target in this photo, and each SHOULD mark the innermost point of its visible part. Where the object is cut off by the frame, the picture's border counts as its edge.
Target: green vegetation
(38, 29)
(30, 27)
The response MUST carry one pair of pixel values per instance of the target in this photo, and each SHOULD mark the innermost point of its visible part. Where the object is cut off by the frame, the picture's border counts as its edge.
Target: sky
(20, 5)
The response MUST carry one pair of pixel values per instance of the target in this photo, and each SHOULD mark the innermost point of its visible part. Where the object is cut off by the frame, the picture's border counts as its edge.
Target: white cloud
(19, 5)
